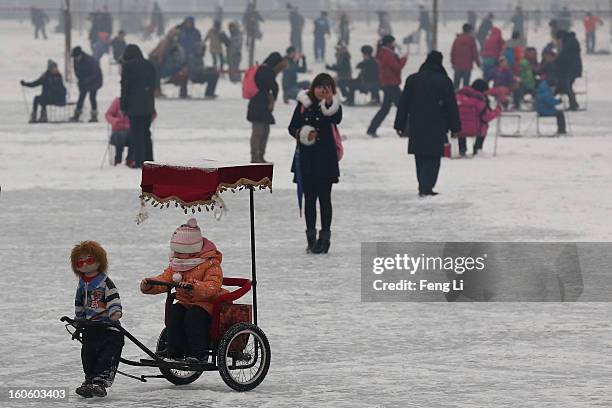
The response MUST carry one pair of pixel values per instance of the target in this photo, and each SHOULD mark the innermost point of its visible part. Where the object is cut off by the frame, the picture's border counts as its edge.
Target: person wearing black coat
(568, 65)
(426, 112)
(88, 73)
(53, 91)
(313, 123)
(367, 80)
(138, 101)
(260, 107)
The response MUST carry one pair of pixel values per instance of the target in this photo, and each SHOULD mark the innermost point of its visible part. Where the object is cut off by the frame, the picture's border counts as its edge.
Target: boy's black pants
(100, 354)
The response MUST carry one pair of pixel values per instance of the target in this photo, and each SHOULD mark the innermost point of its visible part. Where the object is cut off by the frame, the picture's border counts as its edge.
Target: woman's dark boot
(322, 245)
(311, 238)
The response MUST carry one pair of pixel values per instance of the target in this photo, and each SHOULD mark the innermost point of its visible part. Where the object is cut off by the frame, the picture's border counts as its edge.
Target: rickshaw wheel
(176, 377)
(243, 356)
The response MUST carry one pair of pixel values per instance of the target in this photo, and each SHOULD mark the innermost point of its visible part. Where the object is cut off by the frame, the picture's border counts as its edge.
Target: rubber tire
(221, 361)
(166, 372)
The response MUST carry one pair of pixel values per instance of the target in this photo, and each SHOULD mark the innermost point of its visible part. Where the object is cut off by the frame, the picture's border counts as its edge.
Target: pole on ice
(251, 36)
(434, 36)
(253, 268)
(67, 41)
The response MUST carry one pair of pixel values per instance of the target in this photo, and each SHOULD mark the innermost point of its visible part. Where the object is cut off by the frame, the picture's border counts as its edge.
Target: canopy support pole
(253, 268)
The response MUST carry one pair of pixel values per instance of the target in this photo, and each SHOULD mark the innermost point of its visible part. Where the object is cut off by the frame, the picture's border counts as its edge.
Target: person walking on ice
(427, 111)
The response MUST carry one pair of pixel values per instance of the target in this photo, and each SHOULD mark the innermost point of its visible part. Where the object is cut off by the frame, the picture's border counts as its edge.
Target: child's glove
(145, 286)
(116, 316)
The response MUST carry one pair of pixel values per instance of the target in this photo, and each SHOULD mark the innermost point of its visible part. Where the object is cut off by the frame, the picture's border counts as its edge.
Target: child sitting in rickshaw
(194, 261)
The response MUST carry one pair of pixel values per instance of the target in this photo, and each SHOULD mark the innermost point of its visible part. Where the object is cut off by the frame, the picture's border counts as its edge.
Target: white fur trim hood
(305, 100)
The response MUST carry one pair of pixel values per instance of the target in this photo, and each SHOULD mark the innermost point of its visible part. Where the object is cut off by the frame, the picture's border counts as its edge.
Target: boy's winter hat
(187, 239)
(51, 64)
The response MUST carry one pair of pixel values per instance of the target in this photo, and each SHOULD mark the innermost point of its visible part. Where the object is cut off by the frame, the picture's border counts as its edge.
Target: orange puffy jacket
(206, 279)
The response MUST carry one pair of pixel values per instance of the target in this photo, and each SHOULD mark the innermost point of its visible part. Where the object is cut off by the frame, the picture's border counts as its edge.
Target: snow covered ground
(328, 348)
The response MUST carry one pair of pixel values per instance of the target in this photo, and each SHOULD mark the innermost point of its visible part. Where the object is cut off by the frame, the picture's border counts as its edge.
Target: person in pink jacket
(475, 113)
(492, 50)
(120, 132)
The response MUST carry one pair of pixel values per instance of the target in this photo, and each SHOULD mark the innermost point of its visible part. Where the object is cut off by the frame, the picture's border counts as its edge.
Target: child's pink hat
(187, 239)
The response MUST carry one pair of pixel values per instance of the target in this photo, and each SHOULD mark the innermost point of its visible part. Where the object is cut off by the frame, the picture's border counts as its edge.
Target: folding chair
(540, 118)
(512, 116)
(110, 149)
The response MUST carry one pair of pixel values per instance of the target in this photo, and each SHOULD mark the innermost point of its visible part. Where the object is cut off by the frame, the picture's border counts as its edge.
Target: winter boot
(94, 116)
(311, 238)
(43, 116)
(32, 118)
(98, 390)
(322, 245)
(85, 390)
(76, 116)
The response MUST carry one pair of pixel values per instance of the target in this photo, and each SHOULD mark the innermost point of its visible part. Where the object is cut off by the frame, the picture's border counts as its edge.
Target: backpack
(249, 87)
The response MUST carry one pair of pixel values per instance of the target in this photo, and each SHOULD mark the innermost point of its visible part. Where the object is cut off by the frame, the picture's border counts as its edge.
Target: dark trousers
(188, 331)
(38, 101)
(462, 76)
(100, 355)
(92, 99)
(344, 85)
(427, 169)
(142, 144)
(319, 48)
(477, 144)
(218, 58)
(358, 85)
(590, 42)
(121, 140)
(321, 190)
(569, 89)
(40, 28)
(391, 96)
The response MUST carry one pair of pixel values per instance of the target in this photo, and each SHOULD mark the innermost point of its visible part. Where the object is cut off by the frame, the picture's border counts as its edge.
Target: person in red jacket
(390, 75)
(591, 22)
(464, 54)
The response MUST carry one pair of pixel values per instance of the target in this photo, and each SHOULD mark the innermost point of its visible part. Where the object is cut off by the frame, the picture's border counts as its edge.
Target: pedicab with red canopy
(240, 350)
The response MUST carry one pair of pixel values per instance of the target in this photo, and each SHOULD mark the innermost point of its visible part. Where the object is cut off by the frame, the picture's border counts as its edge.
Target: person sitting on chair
(118, 45)
(199, 73)
(545, 103)
(53, 91)
(291, 85)
(195, 261)
(367, 80)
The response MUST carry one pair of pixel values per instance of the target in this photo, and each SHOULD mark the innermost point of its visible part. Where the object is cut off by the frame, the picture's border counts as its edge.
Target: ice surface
(328, 348)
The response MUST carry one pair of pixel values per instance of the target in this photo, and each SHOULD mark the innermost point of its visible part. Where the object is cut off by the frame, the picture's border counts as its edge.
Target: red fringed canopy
(199, 183)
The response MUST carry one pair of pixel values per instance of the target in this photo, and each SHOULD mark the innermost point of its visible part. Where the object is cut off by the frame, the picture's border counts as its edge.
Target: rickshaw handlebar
(187, 286)
(85, 322)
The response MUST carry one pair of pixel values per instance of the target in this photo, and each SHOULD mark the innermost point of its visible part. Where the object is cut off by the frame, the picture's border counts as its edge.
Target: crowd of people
(431, 104)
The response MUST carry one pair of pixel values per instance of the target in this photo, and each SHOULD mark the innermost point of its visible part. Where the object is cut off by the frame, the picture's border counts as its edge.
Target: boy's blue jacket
(98, 298)
(545, 100)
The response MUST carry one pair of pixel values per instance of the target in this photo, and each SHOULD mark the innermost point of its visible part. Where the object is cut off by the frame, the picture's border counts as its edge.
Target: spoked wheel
(177, 377)
(243, 356)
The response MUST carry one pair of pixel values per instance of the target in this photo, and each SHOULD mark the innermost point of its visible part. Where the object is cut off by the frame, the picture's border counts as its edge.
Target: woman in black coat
(262, 104)
(53, 91)
(313, 126)
(138, 80)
